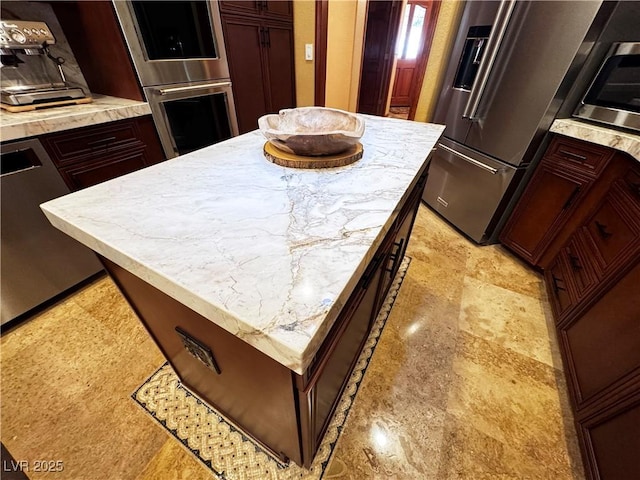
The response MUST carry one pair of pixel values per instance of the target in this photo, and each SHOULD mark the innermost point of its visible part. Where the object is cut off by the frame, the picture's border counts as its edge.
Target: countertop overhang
(600, 135)
(103, 109)
(269, 253)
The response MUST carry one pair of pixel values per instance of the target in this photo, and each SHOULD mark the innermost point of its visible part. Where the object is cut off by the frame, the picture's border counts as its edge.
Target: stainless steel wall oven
(179, 54)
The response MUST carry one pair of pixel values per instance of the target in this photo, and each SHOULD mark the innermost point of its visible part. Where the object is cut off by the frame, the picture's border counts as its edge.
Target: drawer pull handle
(571, 198)
(602, 230)
(101, 141)
(556, 287)
(394, 256)
(575, 262)
(575, 156)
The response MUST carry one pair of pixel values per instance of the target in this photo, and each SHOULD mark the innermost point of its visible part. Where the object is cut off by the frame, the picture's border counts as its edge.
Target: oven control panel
(24, 34)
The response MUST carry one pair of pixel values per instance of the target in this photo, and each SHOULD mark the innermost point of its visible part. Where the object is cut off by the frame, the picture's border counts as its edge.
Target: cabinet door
(611, 441)
(276, 9)
(602, 345)
(612, 232)
(244, 40)
(547, 202)
(344, 351)
(279, 52)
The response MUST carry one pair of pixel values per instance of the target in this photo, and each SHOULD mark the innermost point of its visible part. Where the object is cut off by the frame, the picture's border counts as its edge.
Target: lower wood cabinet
(593, 284)
(612, 439)
(285, 412)
(90, 155)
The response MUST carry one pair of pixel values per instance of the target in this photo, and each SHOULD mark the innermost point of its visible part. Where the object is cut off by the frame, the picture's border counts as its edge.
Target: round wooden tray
(285, 159)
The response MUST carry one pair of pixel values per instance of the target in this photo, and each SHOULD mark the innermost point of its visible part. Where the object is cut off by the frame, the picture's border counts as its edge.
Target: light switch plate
(308, 51)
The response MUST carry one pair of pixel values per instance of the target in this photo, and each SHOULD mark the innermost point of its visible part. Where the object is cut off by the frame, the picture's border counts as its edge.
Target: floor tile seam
(511, 351)
(507, 290)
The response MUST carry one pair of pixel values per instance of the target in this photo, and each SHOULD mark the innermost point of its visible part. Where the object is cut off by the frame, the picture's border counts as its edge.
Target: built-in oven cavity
(197, 122)
(474, 48)
(175, 29)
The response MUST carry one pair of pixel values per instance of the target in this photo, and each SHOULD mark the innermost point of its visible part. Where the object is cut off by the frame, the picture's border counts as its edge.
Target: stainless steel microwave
(613, 97)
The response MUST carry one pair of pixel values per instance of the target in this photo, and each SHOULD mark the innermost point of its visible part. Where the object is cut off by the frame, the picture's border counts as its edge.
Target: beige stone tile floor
(465, 383)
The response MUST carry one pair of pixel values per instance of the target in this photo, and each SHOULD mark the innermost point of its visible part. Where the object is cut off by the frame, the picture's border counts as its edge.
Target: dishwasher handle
(18, 160)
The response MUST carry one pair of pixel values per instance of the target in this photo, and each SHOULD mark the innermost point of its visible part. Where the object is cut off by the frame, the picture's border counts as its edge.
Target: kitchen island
(259, 283)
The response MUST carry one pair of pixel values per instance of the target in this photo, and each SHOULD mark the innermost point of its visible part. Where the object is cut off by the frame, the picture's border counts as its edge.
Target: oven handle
(167, 91)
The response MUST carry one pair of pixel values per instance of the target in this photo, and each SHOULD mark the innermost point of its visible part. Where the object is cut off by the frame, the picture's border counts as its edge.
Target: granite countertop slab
(103, 109)
(609, 137)
(269, 253)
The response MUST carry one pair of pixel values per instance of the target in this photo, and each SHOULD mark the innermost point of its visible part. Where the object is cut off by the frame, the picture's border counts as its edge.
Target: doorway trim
(322, 24)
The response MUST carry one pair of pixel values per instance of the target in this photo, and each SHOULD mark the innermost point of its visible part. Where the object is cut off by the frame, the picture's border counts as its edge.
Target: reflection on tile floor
(466, 381)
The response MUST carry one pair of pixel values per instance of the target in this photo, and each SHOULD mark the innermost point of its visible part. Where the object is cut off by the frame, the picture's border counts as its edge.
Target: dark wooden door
(279, 53)
(383, 19)
(413, 40)
(244, 38)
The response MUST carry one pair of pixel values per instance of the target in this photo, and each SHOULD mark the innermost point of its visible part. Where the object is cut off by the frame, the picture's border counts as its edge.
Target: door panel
(453, 99)
(526, 74)
(466, 187)
(244, 38)
(280, 64)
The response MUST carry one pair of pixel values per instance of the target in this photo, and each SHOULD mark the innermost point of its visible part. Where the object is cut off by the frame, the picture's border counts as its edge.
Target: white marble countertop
(600, 135)
(266, 252)
(103, 109)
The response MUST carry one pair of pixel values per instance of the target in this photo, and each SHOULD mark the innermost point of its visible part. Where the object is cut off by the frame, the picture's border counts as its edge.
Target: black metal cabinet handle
(575, 262)
(602, 230)
(394, 256)
(571, 198)
(580, 158)
(556, 287)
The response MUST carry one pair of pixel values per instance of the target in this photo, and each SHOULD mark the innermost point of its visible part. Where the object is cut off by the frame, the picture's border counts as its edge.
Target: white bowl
(312, 131)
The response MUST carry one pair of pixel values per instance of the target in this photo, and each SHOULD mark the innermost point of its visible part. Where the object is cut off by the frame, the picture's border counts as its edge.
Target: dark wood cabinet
(612, 437)
(90, 155)
(593, 282)
(286, 412)
(260, 51)
(275, 9)
(568, 181)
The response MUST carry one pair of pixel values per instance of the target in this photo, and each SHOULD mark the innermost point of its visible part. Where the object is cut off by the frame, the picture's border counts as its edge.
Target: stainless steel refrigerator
(500, 95)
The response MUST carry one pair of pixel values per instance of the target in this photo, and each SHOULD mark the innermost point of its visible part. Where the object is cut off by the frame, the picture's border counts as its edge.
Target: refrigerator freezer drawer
(466, 188)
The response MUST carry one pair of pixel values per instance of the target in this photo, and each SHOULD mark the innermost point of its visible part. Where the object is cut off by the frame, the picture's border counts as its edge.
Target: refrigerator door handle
(505, 10)
(467, 158)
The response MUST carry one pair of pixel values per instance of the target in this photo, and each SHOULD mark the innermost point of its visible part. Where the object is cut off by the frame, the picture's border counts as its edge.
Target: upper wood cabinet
(276, 9)
(260, 52)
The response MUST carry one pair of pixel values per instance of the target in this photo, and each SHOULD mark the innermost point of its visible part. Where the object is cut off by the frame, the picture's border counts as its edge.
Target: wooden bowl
(312, 131)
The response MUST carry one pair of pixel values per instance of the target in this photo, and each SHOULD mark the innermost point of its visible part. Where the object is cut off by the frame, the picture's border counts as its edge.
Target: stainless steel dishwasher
(38, 261)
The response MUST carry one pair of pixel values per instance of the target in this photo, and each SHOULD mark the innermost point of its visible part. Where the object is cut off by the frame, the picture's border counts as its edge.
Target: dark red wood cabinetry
(579, 220)
(90, 155)
(260, 50)
(559, 192)
(286, 412)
